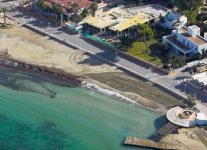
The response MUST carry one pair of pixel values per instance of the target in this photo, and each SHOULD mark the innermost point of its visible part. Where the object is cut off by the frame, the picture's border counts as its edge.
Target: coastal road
(173, 84)
(97, 50)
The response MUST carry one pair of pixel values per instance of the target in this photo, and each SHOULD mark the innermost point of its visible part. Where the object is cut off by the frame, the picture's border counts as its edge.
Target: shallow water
(38, 115)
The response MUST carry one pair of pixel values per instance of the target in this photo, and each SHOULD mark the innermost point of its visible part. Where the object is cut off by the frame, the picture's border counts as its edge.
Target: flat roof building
(185, 117)
(186, 41)
(130, 22)
(201, 78)
(116, 19)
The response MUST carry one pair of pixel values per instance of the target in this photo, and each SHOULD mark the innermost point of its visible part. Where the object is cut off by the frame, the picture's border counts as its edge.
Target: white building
(186, 41)
(173, 20)
(201, 119)
(185, 117)
(200, 78)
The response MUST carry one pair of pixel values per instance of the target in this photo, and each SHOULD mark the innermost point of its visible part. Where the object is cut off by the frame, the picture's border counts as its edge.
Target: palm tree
(204, 53)
(94, 7)
(145, 32)
(74, 8)
(57, 9)
(42, 4)
(4, 10)
(84, 13)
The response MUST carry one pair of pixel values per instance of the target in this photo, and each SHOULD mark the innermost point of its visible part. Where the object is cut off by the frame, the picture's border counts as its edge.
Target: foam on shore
(99, 89)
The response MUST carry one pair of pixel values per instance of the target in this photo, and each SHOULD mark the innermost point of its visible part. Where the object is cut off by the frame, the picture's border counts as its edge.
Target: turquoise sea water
(36, 114)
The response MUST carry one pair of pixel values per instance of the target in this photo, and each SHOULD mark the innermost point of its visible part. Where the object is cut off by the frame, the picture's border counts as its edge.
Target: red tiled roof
(50, 4)
(196, 39)
(66, 3)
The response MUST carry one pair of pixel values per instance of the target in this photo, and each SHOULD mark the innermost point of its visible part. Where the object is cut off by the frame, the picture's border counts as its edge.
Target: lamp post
(185, 88)
(169, 65)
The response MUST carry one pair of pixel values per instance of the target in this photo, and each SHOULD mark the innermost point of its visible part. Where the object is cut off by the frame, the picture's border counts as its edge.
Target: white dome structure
(182, 117)
(186, 118)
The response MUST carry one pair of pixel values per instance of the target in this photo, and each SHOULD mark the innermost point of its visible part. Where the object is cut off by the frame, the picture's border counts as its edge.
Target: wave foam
(99, 89)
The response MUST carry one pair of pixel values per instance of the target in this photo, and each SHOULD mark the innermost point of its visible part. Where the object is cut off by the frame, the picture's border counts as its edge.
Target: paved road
(173, 84)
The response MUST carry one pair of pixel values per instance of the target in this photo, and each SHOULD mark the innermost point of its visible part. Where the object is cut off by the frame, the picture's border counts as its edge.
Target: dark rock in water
(24, 83)
(23, 136)
(72, 80)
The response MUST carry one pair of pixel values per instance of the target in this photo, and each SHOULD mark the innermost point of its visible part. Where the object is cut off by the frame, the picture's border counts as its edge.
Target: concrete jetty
(153, 142)
(133, 141)
(168, 128)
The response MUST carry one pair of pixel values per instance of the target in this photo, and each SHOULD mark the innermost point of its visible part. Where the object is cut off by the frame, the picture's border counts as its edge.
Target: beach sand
(189, 137)
(27, 46)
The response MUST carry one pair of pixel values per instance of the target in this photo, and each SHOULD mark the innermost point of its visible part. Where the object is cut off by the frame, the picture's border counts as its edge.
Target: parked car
(200, 64)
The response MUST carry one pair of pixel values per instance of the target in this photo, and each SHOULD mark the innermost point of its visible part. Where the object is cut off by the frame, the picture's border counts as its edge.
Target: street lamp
(169, 65)
(185, 88)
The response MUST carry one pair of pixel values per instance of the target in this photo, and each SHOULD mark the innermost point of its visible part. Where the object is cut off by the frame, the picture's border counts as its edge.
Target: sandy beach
(190, 138)
(24, 45)
(27, 46)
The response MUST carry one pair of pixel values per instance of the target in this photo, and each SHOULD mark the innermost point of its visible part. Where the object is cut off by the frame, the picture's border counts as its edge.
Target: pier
(164, 131)
(133, 141)
(154, 141)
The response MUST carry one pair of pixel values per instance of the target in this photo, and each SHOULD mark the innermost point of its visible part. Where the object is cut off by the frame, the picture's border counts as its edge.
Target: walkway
(168, 128)
(151, 144)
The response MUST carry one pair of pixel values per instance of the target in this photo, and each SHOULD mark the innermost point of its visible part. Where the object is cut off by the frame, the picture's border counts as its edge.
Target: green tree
(204, 53)
(93, 7)
(84, 13)
(197, 56)
(177, 61)
(124, 40)
(191, 15)
(74, 8)
(42, 4)
(165, 49)
(4, 10)
(57, 9)
(187, 4)
(144, 31)
(191, 100)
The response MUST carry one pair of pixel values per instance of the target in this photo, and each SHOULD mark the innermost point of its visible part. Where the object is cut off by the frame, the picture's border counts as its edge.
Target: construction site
(110, 23)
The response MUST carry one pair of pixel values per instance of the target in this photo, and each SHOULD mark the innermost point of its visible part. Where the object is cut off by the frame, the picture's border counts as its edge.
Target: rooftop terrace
(117, 19)
(196, 39)
(127, 23)
(173, 39)
(103, 19)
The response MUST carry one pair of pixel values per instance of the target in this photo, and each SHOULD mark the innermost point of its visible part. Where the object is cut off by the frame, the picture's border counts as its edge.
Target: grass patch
(138, 49)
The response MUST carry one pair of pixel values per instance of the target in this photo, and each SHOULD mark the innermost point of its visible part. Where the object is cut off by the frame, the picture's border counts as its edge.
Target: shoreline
(81, 81)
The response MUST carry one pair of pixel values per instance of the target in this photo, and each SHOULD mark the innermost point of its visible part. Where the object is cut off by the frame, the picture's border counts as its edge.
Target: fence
(96, 39)
(132, 58)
